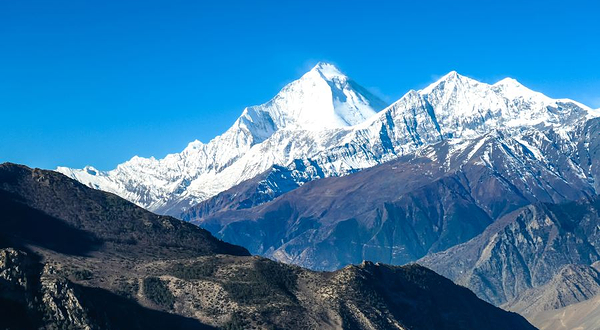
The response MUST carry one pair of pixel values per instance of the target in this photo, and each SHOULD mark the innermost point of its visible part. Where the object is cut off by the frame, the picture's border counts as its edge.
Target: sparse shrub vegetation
(195, 270)
(267, 280)
(158, 292)
(235, 323)
(127, 288)
(82, 274)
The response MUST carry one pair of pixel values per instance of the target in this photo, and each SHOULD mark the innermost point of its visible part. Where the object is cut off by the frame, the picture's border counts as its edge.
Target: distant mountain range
(323, 125)
(72, 257)
(454, 172)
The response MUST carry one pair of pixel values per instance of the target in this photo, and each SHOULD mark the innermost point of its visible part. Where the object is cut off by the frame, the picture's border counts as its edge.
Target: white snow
(475, 148)
(326, 117)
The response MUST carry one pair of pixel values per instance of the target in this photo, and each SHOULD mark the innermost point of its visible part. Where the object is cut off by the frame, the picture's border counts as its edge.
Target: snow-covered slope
(328, 122)
(323, 98)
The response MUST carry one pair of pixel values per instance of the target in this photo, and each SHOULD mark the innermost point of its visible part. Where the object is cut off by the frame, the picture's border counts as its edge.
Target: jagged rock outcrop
(32, 297)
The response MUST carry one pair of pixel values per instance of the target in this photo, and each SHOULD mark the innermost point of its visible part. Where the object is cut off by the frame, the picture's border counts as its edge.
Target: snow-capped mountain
(323, 98)
(329, 124)
(429, 200)
(419, 118)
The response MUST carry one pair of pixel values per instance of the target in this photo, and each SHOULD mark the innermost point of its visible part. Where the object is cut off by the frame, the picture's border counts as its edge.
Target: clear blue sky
(97, 82)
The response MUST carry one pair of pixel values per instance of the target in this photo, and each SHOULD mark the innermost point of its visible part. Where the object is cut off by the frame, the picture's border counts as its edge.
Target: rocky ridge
(125, 268)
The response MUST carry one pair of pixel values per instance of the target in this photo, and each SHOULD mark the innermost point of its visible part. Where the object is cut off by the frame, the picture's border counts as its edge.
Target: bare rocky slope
(523, 250)
(572, 284)
(74, 257)
(580, 316)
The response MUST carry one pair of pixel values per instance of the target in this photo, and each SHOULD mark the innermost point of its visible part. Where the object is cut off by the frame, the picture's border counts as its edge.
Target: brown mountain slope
(572, 284)
(73, 257)
(523, 249)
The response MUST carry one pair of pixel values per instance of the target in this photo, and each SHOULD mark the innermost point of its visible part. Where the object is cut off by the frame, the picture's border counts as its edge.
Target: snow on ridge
(326, 117)
(447, 77)
(322, 99)
(329, 71)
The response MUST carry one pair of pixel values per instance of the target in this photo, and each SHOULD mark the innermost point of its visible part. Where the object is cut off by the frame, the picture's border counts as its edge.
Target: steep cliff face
(74, 257)
(572, 284)
(523, 249)
(16, 290)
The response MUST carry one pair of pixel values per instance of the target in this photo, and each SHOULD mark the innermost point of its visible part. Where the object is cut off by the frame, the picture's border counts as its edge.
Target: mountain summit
(322, 98)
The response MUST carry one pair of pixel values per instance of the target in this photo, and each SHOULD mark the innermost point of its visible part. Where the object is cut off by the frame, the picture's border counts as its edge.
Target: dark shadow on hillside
(15, 314)
(110, 311)
(21, 225)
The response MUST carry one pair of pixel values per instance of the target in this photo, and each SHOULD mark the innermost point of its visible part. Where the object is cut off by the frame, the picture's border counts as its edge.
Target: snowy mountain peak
(508, 81)
(455, 86)
(463, 92)
(459, 106)
(451, 80)
(328, 71)
(512, 89)
(323, 98)
(452, 75)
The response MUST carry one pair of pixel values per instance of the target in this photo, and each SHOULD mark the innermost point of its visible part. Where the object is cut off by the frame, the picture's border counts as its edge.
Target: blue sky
(97, 82)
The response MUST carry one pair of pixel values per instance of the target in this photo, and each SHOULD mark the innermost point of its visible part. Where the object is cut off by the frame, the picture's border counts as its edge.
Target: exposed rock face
(49, 299)
(39, 297)
(61, 303)
(523, 249)
(572, 284)
(12, 269)
(187, 279)
(441, 195)
(583, 315)
(16, 286)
